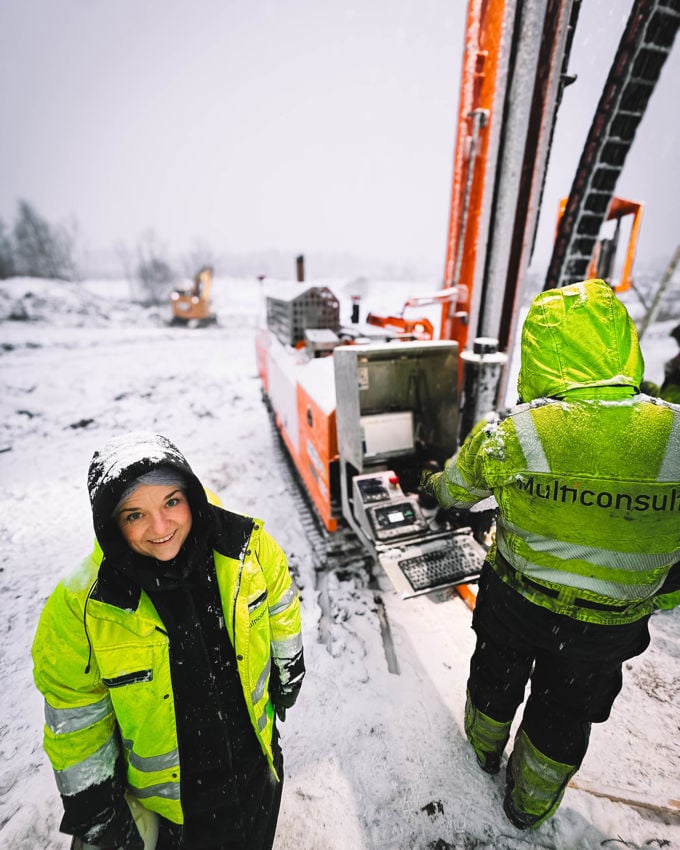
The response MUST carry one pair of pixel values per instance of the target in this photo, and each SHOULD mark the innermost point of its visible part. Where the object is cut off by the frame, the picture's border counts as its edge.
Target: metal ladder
(644, 47)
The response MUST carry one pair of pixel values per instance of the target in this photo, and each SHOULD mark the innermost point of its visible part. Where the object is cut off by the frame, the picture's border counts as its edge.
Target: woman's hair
(161, 475)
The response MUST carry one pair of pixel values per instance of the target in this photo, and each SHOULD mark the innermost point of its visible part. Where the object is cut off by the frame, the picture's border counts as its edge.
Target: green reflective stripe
(258, 691)
(487, 736)
(166, 790)
(286, 601)
(149, 764)
(670, 466)
(91, 771)
(530, 442)
(287, 648)
(61, 721)
(539, 781)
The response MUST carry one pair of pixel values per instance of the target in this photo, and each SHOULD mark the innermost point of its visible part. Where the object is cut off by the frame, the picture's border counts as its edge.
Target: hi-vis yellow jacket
(585, 472)
(105, 672)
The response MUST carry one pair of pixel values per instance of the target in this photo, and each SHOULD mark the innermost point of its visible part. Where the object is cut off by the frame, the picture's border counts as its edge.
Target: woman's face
(155, 521)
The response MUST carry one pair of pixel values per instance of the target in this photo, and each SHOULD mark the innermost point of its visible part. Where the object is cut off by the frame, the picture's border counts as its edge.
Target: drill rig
(363, 409)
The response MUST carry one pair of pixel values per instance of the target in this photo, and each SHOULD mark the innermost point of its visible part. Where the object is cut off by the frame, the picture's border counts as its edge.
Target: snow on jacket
(102, 656)
(586, 471)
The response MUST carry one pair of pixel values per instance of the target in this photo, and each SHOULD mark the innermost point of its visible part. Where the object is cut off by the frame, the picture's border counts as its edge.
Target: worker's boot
(534, 784)
(487, 736)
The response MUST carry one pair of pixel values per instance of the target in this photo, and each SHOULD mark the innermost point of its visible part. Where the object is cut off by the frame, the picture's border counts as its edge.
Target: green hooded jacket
(585, 471)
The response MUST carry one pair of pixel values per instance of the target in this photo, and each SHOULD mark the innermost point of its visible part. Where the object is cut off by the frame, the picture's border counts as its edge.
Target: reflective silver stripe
(285, 602)
(262, 721)
(287, 648)
(149, 764)
(258, 692)
(530, 442)
(61, 721)
(613, 590)
(452, 476)
(91, 771)
(167, 790)
(294, 679)
(670, 466)
(612, 558)
(601, 557)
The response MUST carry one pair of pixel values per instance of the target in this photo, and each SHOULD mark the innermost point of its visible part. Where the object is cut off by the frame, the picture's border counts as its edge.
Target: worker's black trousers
(261, 800)
(574, 668)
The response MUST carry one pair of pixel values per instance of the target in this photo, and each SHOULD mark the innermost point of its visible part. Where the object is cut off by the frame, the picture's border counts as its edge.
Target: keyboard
(459, 562)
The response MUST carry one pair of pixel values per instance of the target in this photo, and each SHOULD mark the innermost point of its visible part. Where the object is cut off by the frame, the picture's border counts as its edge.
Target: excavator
(363, 409)
(192, 307)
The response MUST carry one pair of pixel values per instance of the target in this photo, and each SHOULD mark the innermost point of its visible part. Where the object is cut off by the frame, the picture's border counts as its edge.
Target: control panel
(382, 509)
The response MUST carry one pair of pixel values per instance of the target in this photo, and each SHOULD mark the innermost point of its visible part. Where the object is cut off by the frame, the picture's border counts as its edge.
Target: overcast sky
(295, 125)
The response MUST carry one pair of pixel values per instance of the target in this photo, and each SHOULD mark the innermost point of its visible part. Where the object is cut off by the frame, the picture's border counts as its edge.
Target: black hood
(118, 464)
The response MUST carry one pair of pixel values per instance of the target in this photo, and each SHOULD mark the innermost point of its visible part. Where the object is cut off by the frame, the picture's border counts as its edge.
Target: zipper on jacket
(87, 634)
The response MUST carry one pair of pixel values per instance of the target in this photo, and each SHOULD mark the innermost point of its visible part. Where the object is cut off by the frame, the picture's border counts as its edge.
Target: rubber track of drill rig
(340, 553)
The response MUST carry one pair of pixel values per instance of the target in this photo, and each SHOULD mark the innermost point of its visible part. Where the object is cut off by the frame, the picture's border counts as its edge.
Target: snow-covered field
(375, 760)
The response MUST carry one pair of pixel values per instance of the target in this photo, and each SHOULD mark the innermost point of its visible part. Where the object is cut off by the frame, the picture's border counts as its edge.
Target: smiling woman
(165, 662)
(154, 515)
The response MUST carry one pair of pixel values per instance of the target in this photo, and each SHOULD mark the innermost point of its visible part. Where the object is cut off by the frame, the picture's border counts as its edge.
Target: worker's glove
(118, 832)
(427, 487)
(283, 700)
(427, 495)
(287, 698)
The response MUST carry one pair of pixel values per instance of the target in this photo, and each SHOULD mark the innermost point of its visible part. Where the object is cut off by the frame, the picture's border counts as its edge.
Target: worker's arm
(288, 665)
(80, 733)
(462, 482)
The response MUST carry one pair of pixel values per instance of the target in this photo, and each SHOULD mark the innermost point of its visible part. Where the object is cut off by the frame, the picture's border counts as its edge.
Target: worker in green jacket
(164, 660)
(586, 475)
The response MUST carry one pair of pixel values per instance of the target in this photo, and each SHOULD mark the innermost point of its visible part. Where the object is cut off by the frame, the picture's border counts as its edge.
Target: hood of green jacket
(580, 341)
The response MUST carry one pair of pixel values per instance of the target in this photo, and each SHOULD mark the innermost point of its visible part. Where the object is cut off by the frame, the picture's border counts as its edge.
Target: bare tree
(154, 273)
(199, 256)
(6, 252)
(40, 249)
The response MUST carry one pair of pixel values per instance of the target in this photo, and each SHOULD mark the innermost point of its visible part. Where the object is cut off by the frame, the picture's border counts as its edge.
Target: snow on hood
(577, 338)
(119, 463)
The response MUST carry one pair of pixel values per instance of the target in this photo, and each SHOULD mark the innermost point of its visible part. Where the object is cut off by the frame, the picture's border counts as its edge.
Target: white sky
(299, 126)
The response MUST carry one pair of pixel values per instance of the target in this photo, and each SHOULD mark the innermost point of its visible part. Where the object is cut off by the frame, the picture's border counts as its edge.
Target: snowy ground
(375, 760)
